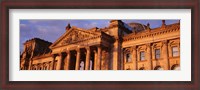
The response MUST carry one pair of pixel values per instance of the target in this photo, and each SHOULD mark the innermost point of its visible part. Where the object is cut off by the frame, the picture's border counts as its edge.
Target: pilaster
(165, 54)
(134, 58)
(149, 58)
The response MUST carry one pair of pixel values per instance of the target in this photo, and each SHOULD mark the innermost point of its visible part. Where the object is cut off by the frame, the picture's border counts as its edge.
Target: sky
(51, 30)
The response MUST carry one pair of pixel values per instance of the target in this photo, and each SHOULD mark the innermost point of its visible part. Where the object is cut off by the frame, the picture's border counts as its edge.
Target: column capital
(68, 51)
(95, 51)
(99, 46)
(60, 54)
(77, 49)
(54, 55)
(165, 42)
(87, 48)
(133, 48)
(148, 44)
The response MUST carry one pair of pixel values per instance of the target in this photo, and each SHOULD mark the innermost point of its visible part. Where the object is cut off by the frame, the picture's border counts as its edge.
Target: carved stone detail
(75, 36)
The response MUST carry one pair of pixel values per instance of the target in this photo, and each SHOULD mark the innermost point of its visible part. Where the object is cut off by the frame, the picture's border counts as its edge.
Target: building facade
(119, 46)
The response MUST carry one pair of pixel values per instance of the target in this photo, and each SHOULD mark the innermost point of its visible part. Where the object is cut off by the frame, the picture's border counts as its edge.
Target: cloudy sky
(51, 30)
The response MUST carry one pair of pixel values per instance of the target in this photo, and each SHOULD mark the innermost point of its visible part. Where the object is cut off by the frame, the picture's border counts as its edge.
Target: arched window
(128, 57)
(33, 67)
(175, 67)
(45, 67)
(158, 68)
(142, 68)
(128, 69)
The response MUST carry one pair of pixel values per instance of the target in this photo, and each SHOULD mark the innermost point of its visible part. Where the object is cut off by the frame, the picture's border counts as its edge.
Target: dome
(137, 27)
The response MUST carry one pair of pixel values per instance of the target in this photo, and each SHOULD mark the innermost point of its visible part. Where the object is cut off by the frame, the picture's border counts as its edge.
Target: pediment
(74, 36)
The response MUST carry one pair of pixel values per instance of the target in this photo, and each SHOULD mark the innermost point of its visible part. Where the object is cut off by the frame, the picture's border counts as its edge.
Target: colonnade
(71, 59)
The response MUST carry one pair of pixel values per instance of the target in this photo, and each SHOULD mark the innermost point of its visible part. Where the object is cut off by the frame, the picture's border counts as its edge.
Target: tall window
(142, 55)
(82, 65)
(157, 53)
(55, 64)
(45, 67)
(175, 51)
(128, 57)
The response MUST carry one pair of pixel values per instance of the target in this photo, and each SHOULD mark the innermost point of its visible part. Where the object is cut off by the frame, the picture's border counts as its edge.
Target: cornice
(42, 56)
(151, 33)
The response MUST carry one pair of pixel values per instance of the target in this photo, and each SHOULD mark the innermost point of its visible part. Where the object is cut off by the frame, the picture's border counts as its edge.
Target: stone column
(165, 55)
(53, 62)
(30, 64)
(149, 56)
(78, 59)
(99, 58)
(134, 58)
(58, 67)
(49, 66)
(87, 62)
(95, 59)
(68, 60)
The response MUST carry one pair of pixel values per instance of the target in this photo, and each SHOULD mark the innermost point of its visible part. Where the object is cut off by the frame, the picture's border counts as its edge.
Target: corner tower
(117, 29)
(33, 47)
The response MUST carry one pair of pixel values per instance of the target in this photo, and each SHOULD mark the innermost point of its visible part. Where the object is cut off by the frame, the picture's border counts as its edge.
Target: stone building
(119, 46)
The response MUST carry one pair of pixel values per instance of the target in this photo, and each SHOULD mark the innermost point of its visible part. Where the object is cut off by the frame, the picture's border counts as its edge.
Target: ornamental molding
(174, 42)
(142, 48)
(152, 33)
(79, 36)
(157, 45)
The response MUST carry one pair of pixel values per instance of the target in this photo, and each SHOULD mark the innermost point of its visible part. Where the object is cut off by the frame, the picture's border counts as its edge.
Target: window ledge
(142, 61)
(157, 59)
(174, 57)
(128, 62)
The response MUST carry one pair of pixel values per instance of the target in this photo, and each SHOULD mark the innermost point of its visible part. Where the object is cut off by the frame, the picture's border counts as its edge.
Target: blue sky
(51, 30)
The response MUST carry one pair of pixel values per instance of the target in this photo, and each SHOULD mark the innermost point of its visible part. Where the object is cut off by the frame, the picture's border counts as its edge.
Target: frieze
(75, 36)
(152, 33)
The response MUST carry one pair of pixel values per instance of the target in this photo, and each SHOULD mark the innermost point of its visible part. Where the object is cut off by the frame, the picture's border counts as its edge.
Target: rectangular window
(142, 55)
(175, 51)
(128, 57)
(157, 53)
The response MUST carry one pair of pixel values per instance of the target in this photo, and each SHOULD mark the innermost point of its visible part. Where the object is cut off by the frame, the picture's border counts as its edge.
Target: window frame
(127, 59)
(175, 52)
(157, 54)
(142, 56)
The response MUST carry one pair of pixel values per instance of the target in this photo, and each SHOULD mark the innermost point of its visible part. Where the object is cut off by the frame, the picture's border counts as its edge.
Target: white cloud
(23, 25)
(90, 25)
